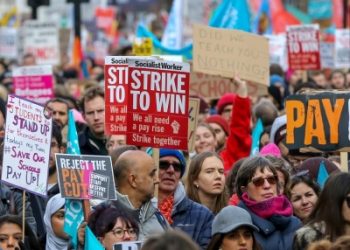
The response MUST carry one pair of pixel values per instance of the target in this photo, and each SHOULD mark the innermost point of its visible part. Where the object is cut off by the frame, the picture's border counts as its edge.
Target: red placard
(158, 103)
(303, 43)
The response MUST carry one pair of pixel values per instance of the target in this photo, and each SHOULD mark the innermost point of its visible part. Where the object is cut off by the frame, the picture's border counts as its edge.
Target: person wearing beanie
(181, 212)
(221, 129)
(278, 81)
(225, 105)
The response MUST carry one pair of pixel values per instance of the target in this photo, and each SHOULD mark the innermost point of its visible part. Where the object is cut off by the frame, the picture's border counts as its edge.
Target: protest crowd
(235, 139)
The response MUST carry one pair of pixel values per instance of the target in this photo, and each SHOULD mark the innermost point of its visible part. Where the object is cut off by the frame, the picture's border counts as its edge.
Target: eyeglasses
(164, 165)
(260, 181)
(348, 201)
(120, 233)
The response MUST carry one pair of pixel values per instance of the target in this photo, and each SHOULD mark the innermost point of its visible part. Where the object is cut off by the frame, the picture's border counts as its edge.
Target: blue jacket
(276, 232)
(192, 217)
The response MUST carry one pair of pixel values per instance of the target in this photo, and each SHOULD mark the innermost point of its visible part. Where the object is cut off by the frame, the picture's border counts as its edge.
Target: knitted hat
(218, 119)
(275, 79)
(231, 218)
(271, 149)
(226, 99)
(312, 165)
(278, 129)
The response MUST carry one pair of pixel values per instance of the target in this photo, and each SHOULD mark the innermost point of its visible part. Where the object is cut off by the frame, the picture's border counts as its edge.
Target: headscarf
(52, 241)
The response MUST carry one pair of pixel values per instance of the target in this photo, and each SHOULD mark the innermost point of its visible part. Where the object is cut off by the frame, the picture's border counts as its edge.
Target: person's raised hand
(241, 87)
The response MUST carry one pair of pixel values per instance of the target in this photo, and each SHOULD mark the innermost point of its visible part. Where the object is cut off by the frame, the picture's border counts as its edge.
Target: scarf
(278, 205)
(52, 241)
(166, 207)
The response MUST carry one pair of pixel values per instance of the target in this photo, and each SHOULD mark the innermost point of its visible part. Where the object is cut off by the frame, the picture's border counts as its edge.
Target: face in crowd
(59, 112)
(57, 223)
(94, 115)
(169, 174)
(241, 238)
(205, 139)
(219, 134)
(115, 141)
(10, 236)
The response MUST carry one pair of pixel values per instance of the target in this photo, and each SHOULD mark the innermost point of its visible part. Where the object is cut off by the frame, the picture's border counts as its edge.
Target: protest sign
(231, 52)
(193, 112)
(8, 43)
(278, 50)
(303, 47)
(64, 38)
(85, 176)
(104, 17)
(342, 48)
(318, 121)
(327, 55)
(42, 40)
(34, 83)
(129, 245)
(26, 146)
(142, 46)
(158, 103)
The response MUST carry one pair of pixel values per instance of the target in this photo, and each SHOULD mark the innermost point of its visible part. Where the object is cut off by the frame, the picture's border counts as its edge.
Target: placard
(85, 176)
(34, 83)
(158, 103)
(327, 55)
(142, 46)
(41, 39)
(129, 245)
(303, 45)
(342, 48)
(231, 52)
(318, 121)
(278, 50)
(26, 146)
(8, 43)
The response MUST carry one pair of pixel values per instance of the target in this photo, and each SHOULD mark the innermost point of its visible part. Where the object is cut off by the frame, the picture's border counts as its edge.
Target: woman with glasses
(257, 188)
(331, 216)
(112, 224)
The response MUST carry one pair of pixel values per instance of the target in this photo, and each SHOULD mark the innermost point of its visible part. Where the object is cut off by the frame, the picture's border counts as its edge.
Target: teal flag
(322, 175)
(91, 242)
(74, 214)
(256, 134)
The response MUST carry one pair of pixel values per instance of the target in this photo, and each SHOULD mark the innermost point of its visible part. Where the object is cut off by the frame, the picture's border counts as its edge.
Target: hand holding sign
(242, 89)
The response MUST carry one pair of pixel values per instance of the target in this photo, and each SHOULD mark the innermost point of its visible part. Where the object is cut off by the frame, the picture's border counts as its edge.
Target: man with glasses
(92, 139)
(181, 212)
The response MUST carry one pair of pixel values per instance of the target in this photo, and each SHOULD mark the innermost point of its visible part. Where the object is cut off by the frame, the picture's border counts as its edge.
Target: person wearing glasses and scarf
(258, 191)
(181, 212)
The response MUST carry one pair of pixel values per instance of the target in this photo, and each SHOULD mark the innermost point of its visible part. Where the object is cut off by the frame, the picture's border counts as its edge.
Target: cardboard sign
(42, 40)
(342, 48)
(318, 121)
(193, 112)
(158, 103)
(231, 52)
(34, 83)
(64, 39)
(85, 176)
(327, 55)
(213, 87)
(303, 44)
(26, 146)
(129, 245)
(8, 43)
(142, 46)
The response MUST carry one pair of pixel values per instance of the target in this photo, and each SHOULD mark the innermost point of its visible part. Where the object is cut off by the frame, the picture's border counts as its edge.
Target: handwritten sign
(231, 52)
(34, 83)
(318, 121)
(303, 45)
(85, 176)
(342, 48)
(8, 43)
(129, 245)
(158, 103)
(42, 40)
(26, 146)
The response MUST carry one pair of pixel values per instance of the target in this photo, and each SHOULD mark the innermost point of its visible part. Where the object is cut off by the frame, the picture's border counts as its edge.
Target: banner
(231, 52)
(85, 176)
(172, 35)
(8, 43)
(158, 103)
(34, 83)
(26, 146)
(303, 43)
(318, 121)
(42, 40)
(342, 48)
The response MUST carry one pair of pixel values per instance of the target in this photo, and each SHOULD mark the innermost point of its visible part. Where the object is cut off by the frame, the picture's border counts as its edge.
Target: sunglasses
(164, 165)
(260, 181)
(348, 201)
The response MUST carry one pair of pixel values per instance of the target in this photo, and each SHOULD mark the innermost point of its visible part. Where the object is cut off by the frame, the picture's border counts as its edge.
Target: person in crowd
(180, 211)
(28, 60)
(266, 111)
(233, 229)
(92, 139)
(2, 119)
(282, 169)
(265, 137)
(113, 224)
(115, 141)
(56, 238)
(58, 108)
(293, 77)
(225, 105)
(303, 193)
(205, 138)
(258, 191)
(221, 129)
(231, 181)
(319, 78)
(348, 78)
(170, 240)
(342, 243)
(278, 82)
(337, 79)
(331, 215)
(118, 151)
(206, 181)
(11, 232)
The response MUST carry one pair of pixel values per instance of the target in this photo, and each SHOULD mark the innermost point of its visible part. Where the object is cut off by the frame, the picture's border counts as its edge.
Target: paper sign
(26, 146)
(342, 48)
(158, 103)
(129, 245)
(278, 50)
(193, 112)
(42, 40)
(34, 83)
(8, 43)
(231, 52)
(303, 47)
(327, 55)
(142, 46)
(318, 121)
(85, 176)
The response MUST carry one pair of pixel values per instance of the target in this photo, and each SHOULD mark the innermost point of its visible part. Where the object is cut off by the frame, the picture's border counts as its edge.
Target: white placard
(8, 43)
(342, 48)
